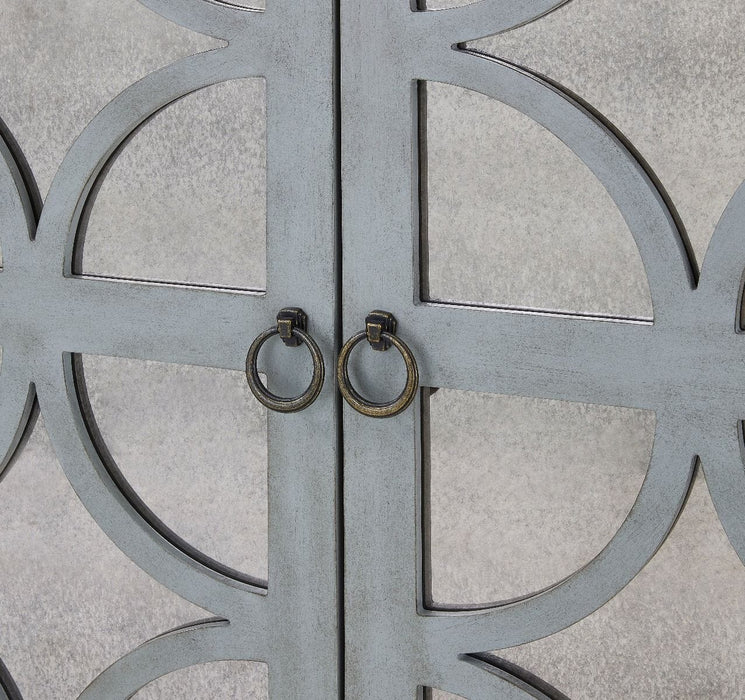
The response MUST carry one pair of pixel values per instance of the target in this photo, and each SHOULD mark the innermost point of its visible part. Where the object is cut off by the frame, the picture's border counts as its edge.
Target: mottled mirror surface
(676, 631)
(71, 602)
(524, 492)
(189, 190)
(231, 680)
(507, 201)
(192, 442)
(667, 73)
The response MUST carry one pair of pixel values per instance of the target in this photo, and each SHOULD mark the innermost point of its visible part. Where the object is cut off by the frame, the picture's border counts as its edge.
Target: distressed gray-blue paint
(49, 313)
(686, 365)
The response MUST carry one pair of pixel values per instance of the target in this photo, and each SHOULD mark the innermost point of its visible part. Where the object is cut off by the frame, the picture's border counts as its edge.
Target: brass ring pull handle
(291, 328)
(380, 332)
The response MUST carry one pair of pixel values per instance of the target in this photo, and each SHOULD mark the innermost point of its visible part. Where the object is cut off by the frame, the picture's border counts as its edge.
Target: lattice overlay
(684, 366)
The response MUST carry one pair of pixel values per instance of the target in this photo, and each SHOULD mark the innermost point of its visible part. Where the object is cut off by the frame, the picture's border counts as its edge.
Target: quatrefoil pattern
(688, 365)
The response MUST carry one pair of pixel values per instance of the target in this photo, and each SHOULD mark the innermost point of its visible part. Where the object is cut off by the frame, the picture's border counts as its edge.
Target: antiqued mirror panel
(187, 195)
(221, 679)
(192, 443)
(667, 74)
(674, 632)
(514, 218)
(63, 62)
(71, 603)
(521, 493)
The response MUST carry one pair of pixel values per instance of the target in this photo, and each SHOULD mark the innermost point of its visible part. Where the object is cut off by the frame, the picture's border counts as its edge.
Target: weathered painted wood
(343, 83)
(686, 364)
(51, 313)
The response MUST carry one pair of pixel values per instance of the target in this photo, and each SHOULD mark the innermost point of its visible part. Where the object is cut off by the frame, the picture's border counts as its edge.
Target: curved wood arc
(220, 20)
(650, 520)
(8, 688)
(20, 200)
(719, 293)
(18, 416)
(717, 308)
(641, 200)
(20, 207)
(723, 462)
(119, 517)
(103, 137)
(455, 25)
(199, 643)
(497, 678)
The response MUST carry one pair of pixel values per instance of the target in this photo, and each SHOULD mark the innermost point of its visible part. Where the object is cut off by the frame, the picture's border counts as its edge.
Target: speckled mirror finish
(345, 612)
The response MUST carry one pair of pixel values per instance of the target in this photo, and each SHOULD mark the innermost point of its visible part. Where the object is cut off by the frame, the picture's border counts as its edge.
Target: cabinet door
(397, 643)
(52, 313)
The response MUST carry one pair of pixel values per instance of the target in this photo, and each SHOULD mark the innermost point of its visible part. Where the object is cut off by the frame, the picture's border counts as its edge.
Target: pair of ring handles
(380, 332)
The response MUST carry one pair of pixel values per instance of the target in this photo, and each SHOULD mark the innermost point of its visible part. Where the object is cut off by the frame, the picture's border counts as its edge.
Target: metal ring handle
(270, 400)
(370, 408)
